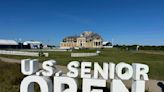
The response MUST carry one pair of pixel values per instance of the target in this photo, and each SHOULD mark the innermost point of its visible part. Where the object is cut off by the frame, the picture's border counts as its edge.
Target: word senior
(51, 79)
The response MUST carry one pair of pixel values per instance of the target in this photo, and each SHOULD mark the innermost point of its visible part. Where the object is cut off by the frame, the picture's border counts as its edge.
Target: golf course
(11, 76)
(154, 59)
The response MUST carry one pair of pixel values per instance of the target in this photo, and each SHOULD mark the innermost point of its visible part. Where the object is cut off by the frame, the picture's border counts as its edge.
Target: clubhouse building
(85, 40)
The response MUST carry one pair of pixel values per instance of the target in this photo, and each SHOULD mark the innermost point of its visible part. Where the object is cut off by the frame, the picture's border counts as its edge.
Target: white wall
(21, 53)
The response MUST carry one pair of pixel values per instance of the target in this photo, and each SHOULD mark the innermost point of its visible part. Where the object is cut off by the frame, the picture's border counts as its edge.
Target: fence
(83, 54)
(21, 53)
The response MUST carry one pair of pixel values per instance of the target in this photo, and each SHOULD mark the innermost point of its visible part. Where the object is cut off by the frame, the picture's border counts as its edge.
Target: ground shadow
(161, 85)
(104, 89)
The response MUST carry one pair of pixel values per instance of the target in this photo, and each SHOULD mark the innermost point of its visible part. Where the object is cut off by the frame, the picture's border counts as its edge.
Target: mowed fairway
(155, 61)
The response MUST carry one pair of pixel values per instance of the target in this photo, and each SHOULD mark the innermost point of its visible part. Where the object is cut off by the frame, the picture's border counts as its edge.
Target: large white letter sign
(29, 67)
(118, 86)
(88, 83)
(60, 82)
(49, 67)
(98, 70)
(92, 81)
(111, 70)
(128, 71)
(138, 86)
(140, 71)
(86, 69)
(73, 69)
(27, 85)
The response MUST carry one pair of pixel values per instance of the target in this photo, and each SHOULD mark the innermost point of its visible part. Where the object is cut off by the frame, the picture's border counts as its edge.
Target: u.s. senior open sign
(51, 80)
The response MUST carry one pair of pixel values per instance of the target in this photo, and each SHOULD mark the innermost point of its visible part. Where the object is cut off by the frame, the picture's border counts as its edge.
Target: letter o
(27, 85)
(128, 73)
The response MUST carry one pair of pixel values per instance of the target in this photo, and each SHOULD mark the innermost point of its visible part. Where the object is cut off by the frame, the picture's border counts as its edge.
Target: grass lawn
(10, 77)
(155, 61)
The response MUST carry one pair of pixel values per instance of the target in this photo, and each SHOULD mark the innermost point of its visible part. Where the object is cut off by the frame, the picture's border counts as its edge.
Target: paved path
(63, 68)
(151, 85)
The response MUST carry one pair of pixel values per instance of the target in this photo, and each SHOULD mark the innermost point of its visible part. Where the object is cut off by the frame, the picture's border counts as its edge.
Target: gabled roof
(73, 38)
(90, 35)
(87, 34)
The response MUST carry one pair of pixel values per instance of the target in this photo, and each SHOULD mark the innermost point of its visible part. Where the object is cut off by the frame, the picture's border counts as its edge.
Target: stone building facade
(85, 40)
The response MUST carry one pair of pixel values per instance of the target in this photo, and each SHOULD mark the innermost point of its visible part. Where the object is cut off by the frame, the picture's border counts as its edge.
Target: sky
(125, 21)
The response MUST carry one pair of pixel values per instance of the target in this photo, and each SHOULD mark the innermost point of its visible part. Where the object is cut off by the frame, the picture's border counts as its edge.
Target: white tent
(32, 43)
(8, 42)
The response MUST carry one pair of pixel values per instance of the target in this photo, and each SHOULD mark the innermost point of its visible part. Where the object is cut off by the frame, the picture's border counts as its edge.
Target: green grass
(10, 77)
(155, 61)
